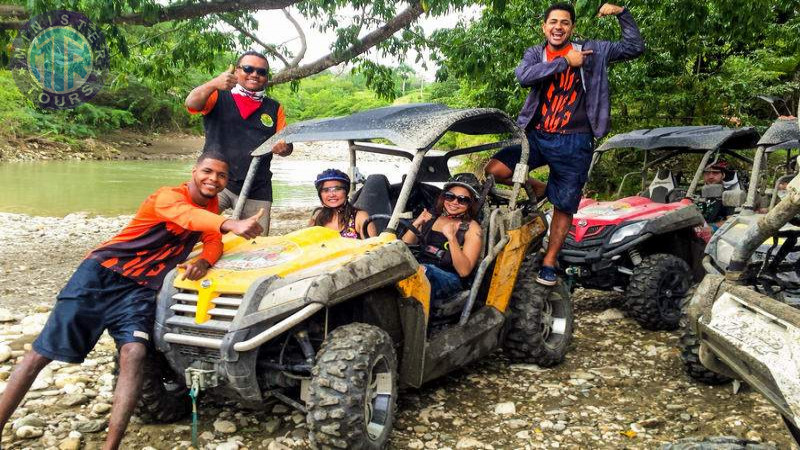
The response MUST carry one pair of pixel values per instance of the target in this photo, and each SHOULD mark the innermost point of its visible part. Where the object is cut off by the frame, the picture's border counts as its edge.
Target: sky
(274, 28)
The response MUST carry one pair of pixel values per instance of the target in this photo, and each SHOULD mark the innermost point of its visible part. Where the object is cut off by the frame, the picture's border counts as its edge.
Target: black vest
(236, 138)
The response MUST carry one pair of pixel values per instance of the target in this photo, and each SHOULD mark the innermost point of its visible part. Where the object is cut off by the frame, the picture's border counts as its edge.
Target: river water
(57, 188)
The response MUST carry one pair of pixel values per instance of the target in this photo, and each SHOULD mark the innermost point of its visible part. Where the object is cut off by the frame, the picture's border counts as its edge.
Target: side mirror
(711, 191)
(734, 198)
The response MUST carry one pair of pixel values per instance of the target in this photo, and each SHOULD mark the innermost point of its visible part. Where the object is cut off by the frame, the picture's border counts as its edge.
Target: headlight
(627, 231)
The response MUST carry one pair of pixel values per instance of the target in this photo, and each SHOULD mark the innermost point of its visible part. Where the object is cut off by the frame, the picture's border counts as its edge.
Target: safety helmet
(332, 175)
(466, 180)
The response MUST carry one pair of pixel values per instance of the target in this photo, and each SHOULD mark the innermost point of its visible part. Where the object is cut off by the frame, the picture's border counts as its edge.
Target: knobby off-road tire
(164, 396)
(656, 288)
(690, 349)
(540, 320)
(353, 389)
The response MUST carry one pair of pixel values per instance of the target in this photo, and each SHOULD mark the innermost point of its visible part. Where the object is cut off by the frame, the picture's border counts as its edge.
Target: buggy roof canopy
(782, 134)
(413, 126)
(704, 138)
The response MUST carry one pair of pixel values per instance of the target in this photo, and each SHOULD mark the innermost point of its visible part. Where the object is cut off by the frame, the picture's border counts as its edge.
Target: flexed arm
(464, 258)
(631, 45)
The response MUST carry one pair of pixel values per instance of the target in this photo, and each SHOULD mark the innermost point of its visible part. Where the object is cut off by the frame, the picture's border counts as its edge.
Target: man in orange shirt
(115, 286)
(238, 118)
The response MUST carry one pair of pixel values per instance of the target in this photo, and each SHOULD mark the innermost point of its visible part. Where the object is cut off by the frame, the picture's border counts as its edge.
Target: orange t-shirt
(162, 234)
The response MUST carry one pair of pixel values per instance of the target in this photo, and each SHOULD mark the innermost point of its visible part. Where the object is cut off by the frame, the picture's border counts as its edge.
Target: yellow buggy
(332, 326)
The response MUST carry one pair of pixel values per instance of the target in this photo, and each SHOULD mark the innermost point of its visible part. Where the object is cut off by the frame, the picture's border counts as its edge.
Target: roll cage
(412, 131)
(667, 142)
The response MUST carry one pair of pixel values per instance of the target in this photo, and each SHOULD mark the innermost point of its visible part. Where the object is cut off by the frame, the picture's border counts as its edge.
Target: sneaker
(547, 276)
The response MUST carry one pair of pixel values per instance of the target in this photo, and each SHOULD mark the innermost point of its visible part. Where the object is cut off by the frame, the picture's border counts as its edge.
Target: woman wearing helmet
(451, 239)
(336, 211)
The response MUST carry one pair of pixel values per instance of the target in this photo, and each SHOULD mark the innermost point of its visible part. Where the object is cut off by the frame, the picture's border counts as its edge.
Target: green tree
(160, 41)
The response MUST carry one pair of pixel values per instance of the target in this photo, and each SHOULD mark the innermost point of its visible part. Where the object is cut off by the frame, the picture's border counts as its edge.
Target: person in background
(714, 211)
(238, 117)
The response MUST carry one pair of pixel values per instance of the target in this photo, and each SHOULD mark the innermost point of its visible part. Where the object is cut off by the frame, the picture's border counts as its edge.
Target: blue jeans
(443, 283)
(567, 155)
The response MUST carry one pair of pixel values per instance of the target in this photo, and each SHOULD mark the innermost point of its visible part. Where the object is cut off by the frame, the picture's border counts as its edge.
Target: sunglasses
(250, 69)
(331, 189)
(462, 199)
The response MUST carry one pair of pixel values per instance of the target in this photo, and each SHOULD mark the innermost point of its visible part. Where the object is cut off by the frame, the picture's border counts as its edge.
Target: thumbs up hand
(226, 80)
(247, 228)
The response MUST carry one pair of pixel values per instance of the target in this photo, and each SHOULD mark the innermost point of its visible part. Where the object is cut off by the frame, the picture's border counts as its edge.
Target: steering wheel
(406, 225)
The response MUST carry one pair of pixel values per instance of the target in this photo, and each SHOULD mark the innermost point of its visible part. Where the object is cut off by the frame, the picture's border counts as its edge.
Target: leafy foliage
(158, 55)
(326, 95)
(703, 65)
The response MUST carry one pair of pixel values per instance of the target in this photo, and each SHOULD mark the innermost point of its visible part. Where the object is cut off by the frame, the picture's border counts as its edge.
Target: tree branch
(267, 47)
(200, 9)
(370, 40)
(172, 12)
(302, 35)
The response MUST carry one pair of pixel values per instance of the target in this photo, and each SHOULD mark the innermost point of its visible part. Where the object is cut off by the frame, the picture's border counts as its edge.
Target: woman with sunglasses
(451, 240)
(336, 211)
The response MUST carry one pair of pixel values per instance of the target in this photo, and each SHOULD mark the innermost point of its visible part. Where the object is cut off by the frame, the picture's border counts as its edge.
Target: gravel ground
(620, 387)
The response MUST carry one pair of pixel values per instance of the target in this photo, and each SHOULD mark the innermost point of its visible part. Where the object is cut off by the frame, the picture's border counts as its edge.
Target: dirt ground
(620, 387)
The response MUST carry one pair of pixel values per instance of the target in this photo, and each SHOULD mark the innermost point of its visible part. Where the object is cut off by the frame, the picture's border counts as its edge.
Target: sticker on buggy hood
(259, 258)
(604, 210)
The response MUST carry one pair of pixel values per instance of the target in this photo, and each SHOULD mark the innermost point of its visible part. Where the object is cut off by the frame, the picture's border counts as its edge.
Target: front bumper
(599, 256)
(752, 336)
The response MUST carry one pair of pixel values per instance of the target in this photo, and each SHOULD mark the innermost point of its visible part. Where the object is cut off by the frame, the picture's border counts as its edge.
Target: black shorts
(96, 299)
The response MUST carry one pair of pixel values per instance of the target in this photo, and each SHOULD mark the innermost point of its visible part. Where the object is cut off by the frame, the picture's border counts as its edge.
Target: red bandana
(246, 105)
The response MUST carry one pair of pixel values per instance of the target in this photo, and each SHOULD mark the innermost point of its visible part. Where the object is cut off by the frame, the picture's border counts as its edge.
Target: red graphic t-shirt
(563, 108)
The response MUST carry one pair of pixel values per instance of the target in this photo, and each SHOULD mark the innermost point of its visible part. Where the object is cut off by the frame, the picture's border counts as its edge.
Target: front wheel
(690, 349)
(353, 389)
(657, 286)
(540, 321)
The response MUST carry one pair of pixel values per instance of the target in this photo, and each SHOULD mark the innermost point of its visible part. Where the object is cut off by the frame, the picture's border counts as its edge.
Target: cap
(719, 166)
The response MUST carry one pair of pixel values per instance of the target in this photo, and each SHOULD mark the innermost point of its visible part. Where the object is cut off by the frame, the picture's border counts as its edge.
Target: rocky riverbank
(621, 386)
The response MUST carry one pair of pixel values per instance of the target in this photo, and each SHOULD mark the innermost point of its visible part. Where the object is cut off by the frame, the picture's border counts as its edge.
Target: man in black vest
(237, 118)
